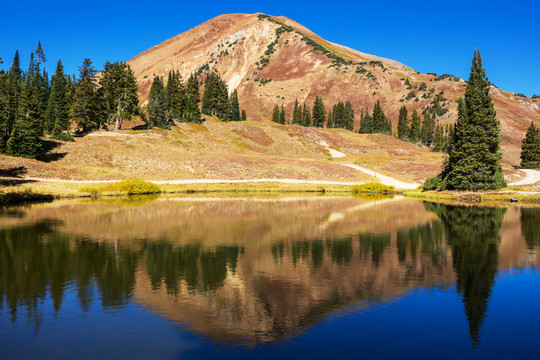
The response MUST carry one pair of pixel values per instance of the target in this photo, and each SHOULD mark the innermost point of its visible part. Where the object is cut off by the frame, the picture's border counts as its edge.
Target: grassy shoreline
(47, 191)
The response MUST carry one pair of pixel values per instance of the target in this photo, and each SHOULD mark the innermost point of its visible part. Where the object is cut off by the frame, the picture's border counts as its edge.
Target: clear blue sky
(429, 36)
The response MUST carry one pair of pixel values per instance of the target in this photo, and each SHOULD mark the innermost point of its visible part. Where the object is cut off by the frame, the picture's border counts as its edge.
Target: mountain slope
(274, 60)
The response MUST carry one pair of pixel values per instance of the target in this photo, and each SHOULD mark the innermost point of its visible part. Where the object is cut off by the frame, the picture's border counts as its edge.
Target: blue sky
(429, 36)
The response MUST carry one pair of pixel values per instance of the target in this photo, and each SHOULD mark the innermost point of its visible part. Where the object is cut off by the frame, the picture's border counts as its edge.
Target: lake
(268, 277)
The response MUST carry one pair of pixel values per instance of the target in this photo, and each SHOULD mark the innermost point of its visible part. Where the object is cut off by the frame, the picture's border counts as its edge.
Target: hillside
(274, 60)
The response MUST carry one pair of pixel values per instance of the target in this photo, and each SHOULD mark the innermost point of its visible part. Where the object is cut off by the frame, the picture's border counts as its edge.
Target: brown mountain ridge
(274, 60)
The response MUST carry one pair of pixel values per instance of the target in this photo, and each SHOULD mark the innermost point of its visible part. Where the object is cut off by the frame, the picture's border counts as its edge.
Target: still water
(266, 278)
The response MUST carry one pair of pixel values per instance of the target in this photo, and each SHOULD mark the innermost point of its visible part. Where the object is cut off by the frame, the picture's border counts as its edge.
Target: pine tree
(25, 138)
(191, 112)
(530, 148)
(330, 120)
(474, 161)
(319, 112)
(438, 139)
(366, 123)
(415, 130)
(85, 107)
(403, 126)
(215, 98)
(176, 96)
(282, 115)
(381, 124)
(338, 112)
(119, 89)
(3, 106)
(57, 114)
(297, 113)
(14, 82)
(306, 116)
(235, 107)
(426, 133)
(244, 116)
(348, 116)
(275, 114)
(157, 105)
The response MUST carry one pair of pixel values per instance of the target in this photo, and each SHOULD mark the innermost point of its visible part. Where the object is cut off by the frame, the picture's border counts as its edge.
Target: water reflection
(252, 271)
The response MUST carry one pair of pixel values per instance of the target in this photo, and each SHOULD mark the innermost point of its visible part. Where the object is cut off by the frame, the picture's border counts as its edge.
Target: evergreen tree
(381, 124)
(306, 116)
(403, 126)
(25, 138)
(366, 123)
(427, 130)
(348, 116)
(530, 148)
(244, 116)
(191, 112)
(13, 89)
(176, 96)
(57, 115)
(3, 106)
(338, 112)
(474, 161)
(157, 105)
(119, 89)
(330, 120)
(282, 115)
(415, 130)
(275, 114)
(235, 107)
(297, 113)
(319, 112)
(85, 107)
(438, 139)
(216, 97)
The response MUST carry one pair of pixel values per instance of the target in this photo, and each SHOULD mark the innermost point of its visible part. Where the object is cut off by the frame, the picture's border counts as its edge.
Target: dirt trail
(386, 180)
(531, 177)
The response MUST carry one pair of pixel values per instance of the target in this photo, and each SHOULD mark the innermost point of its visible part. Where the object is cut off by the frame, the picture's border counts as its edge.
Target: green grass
(129, 187)
(372, 187)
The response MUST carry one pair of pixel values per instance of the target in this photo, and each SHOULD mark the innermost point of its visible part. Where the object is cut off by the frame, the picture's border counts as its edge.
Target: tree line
(31, 105)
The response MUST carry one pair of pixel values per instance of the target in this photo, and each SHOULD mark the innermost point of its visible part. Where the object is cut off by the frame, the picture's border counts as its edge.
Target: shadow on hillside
(15, 172)
(48, 156)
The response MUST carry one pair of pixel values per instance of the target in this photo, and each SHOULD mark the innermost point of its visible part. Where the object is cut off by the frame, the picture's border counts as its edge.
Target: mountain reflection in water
(253, 271)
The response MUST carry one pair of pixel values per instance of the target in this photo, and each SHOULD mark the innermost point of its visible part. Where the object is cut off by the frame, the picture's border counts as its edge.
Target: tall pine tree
(415, 130)
(235, 107)
(403, 126)
(57, 115)
(474, 161)
(319, 112)
(157, 105)
(85, 109)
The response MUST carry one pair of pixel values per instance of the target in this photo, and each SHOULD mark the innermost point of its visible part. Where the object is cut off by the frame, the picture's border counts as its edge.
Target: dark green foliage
(348, 121)
(381, 124)
(297, 113)
(306, 116)
(474, 161)
(12, 90)
(175, 95)
(119, 91)
(85, 106)
(330, 123)
(275, 114)
(438, 139)
(235, 107)
(415, 130)
(57, 115)
(25, 139)
(157, 105)
(191, 112)
(216, 97)
(530, 218)
(244, 116)
(366, 123)
(530, 148)
(343, 115)
(282, 115)
(473, 235)
(428, 127)
(520, 95)
(403, 126)
(410, 95)
(446, 76)
(422, 86)
(319, 112)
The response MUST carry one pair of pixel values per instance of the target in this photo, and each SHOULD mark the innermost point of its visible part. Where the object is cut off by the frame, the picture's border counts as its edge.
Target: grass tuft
(129, 187)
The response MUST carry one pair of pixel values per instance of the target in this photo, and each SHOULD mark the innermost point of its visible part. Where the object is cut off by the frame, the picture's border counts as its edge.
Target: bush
(434, 183)
(25, 196)
(129, 186)
(372, 187)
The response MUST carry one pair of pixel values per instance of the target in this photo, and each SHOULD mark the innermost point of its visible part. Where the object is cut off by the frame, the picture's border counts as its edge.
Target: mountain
(274, 60)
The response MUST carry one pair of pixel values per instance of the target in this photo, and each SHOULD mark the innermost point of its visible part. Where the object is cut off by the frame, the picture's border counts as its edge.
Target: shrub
(434, 183)
(129, 186)
(372, 187)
